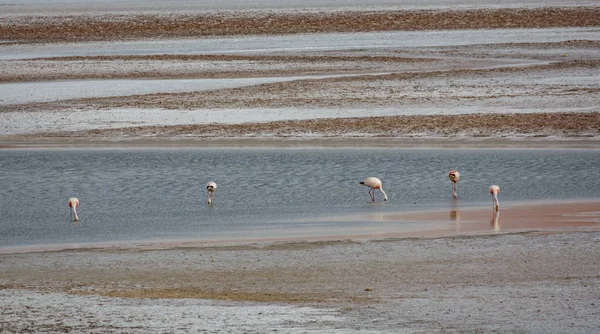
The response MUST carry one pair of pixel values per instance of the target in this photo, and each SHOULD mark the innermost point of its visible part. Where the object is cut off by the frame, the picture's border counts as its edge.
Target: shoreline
(546, 216)
(543, 280)
(26, 142)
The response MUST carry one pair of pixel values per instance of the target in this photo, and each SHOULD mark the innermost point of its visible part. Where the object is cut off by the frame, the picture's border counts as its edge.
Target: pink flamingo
(211, 187)
(454, 176)
(374, 183)
(73, 204)
(495, 190)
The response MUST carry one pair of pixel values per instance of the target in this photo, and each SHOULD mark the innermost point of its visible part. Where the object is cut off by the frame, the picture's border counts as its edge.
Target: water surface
(159, 194)
(262, 44)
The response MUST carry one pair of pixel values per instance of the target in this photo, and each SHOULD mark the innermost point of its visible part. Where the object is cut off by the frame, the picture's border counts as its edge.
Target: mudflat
(482, 73)
(533, 268)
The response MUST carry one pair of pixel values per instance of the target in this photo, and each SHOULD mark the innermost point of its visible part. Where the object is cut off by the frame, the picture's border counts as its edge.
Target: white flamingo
(454, 176)
(495, 190)
(374, 183)
(73, 204)
(211, 187)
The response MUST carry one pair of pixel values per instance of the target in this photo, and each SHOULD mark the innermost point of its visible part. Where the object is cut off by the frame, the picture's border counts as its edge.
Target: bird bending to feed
(374, 183)
(73, 204)
(211, 187)
(495, 190)
(454, 176)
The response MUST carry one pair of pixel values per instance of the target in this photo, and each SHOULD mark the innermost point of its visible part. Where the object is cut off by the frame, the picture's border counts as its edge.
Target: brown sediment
(114, 27)
(37, 69)
(263, 297)
(482, 125)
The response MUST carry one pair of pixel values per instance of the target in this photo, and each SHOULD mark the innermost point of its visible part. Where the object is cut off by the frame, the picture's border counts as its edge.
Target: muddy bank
(526, 282)
(114, 27)
(541, 125)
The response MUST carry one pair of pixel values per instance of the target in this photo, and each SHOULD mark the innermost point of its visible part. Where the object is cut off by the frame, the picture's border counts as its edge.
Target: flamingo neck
(385, 198)
(496, 202)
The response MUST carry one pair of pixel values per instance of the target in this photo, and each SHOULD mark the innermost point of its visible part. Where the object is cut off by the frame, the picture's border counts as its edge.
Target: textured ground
(527, 283)
(552, 87)
(114, 27)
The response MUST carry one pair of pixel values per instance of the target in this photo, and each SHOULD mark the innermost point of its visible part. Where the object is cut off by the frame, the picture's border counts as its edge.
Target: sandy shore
(48, 142)
(535, 269)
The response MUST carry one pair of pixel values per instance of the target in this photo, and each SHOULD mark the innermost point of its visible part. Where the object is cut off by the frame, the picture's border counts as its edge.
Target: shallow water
(159, 194)
(25, 92)
(260, 44)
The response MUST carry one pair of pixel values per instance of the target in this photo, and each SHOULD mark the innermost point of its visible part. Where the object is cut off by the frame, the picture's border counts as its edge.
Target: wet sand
(535, 269)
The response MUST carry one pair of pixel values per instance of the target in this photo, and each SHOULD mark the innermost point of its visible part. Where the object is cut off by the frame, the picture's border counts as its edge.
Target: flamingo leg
(454, 193)
(372, 194)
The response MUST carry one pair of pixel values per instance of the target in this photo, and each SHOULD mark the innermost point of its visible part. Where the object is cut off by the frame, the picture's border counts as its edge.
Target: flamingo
(495, 190)
(73, 204)
(454, 176)
(211, 187)
(374, 183)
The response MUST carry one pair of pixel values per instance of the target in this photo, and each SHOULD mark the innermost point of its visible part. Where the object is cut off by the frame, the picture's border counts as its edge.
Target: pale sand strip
(36, 142)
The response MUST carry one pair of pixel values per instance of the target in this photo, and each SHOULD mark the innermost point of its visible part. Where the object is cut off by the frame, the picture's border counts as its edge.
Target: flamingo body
(73, 204)
(374, 183)
(495, 190)
(454, 176)
(211, 187)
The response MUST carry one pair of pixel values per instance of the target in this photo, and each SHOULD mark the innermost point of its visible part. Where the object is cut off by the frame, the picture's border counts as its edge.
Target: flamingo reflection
(455, 216)
(495, 222)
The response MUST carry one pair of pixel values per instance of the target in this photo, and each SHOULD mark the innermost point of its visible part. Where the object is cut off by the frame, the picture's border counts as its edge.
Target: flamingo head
(73, 202)
(211, 186)
(454, 176)
(494, 189)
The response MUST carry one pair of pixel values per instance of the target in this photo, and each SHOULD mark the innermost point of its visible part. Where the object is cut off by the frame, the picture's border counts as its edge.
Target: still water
(159, 194)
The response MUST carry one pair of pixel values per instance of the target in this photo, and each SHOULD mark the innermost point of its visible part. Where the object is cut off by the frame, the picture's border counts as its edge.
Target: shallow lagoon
(159, 194)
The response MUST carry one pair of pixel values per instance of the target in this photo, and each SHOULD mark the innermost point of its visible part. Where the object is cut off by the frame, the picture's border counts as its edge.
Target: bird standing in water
(495, 190)
(211, 187)
(73, 204)
(454, 176)
(374, 183)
